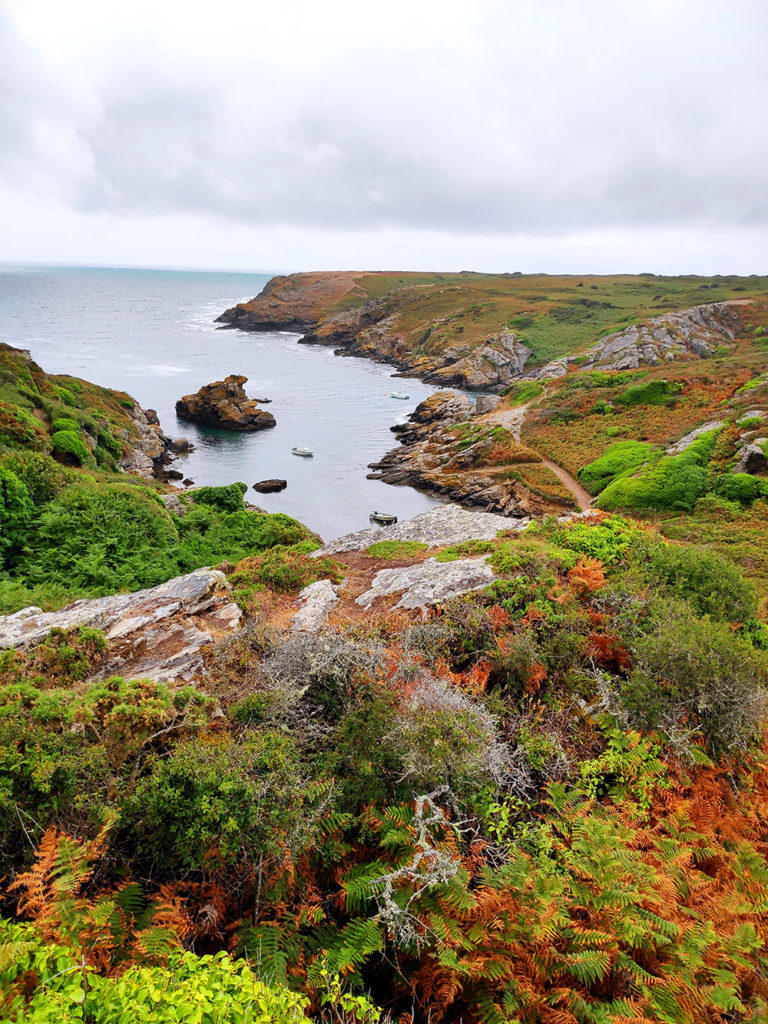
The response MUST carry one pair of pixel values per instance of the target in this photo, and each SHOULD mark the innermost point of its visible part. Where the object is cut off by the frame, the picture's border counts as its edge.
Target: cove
(152, 334)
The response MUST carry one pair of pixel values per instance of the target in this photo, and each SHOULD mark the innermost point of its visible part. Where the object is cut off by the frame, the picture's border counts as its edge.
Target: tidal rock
(752, 458)
(316, 602)
(270, 486)
(438, 527)
(158, 633)
(687, 441)
(698, 331)
(188, 483)
(427, 582)
(224, 404)
(181, 446)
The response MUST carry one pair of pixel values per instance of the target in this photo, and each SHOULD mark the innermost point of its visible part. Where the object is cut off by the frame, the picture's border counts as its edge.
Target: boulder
(270, 486)
(428, 582)
(752, 458)
(158, 633)
(224, 404)
(316, 601)
(486, 404)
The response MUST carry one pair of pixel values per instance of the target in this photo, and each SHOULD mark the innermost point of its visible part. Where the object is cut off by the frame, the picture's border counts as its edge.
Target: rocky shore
(449, 450)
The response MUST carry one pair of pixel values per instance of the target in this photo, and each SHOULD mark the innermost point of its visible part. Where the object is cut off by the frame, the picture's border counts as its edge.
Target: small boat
(398, 394)
(304, 453)
(383, 518)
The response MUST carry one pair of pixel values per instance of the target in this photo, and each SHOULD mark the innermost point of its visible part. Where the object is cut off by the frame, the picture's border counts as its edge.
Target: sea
(153, 334)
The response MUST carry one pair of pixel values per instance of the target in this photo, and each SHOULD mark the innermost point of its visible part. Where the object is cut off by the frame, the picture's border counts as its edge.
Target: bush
(693, 674)
(654, 392)
(226, 499)
(43, 476)
(16, 510)
(709, 581)
(607, 539)
(673, 482)
(45, 983)
(741, 487)
(283, 568)
(64, 423)
(622, 457)
(69, 443)
(101, 539)
(211, 804)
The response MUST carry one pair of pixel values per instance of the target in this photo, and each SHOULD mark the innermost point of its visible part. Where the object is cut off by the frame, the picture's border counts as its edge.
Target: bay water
(152, 333)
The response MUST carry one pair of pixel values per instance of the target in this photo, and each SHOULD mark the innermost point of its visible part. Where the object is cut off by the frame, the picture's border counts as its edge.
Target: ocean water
(152, 333)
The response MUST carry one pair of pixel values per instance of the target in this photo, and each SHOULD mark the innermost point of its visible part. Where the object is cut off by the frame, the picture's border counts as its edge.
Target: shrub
(693, 674)
(741, 487)
(43, 476)
(63, 423)
(16, 510)
(46, 983)
(69, 443)
(216, 803)
(391, 549)
(654, 392)
(226, 499)
(607, 539)
(284, 568)
(709, 581)
(101, 539)
(673, 482)
(622, 457)
(112, 445)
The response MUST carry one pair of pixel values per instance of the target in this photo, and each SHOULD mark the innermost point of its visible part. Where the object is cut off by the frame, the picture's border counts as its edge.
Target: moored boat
(304, 453)
(398, 394)
(383, 518)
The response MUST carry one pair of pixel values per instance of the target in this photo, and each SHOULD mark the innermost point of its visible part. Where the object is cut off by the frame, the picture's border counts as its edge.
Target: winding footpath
(512, 420)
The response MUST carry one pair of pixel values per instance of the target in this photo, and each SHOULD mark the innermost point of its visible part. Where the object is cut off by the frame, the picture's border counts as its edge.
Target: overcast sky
(555, 135)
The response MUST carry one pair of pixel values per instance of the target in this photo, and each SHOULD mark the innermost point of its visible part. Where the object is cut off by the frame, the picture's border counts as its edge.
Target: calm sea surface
(151, 333)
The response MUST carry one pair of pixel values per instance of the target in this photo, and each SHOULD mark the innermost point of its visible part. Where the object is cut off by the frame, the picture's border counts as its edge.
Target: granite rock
(428, 582)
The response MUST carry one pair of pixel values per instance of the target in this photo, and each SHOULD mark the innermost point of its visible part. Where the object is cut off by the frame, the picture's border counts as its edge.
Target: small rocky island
(225, 404)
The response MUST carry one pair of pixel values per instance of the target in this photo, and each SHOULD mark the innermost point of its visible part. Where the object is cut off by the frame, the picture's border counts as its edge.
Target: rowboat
(304, 453)
(383, 518)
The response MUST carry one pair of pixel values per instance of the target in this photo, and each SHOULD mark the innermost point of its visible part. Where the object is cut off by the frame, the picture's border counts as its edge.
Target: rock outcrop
(224, 404)
(752, 458)
(159, 633)
(458, 464)
(428, 582)
(148, 451)
(438, 527)
(315, 602)
(691, 436)
(698, 331)
(270, 486)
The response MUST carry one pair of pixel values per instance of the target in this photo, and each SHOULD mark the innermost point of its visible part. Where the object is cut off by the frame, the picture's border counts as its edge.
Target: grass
(394, 549)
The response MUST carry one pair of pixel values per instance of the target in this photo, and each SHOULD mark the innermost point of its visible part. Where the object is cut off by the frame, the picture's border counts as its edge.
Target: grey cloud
(660, 131)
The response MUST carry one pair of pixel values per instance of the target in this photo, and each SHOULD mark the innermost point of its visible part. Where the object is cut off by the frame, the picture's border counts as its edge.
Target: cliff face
(483, 332)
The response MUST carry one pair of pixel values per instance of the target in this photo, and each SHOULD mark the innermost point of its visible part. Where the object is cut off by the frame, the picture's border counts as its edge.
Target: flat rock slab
(438, 527)
(157, 633)
(316, 601)
(428, 582)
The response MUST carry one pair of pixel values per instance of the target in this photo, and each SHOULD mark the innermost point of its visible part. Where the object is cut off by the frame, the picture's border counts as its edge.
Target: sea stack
(224, 404)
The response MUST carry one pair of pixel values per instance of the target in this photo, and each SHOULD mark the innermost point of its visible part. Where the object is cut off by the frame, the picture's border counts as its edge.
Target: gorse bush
(70, 443)
(227, 499)
(622, 457)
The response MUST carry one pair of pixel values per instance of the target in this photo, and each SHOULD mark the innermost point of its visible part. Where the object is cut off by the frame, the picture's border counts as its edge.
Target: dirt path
(512, 420)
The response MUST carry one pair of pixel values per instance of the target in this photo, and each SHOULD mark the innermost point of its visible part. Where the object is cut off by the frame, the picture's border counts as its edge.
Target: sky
(497, 135)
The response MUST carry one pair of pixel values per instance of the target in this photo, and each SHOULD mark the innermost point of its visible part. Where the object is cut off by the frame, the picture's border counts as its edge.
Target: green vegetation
(391, 549)
(670, 482)
(621, 458)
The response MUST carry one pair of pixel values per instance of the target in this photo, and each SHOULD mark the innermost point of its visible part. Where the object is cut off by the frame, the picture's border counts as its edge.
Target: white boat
(305, 453)
(398, 394)
(383, 518)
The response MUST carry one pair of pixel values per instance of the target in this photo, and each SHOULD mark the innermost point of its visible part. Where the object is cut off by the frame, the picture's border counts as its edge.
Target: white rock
(427, 582)
(316, 602)
(156, 633)
(687, 441)
(438, 527)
